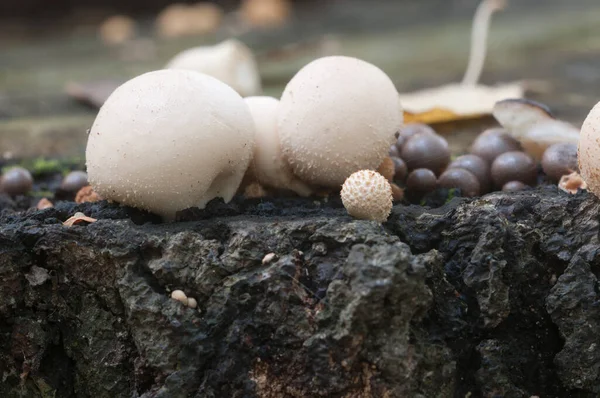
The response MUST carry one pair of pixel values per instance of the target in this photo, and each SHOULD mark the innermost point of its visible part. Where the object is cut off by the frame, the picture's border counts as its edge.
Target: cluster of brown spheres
(19, 181)
(495, 161)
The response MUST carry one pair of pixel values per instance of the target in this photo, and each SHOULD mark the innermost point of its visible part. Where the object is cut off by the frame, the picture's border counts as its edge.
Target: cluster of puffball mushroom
(173, 139)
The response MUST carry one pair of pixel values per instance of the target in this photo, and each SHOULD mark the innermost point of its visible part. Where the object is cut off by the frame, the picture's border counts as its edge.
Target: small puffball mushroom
(421, 181)
(410, 129)
(192, 303)
(514, 166)
(533, 125)
(230, 61)
(394, 151)
(426, 150)
(16, 181)
(475, 165)
(400, 169)
(117, 30)
(169, 140)
(337, 115)
(74, 181)
(463, 179)
(268, 164)
(492, 143)
(265, 13)
(367, 195)
(559, 160)
(514, 186)
(180, 296)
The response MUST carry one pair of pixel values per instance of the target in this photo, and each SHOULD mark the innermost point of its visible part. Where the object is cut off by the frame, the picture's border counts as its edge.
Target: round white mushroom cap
(169, 140)
(588, 154)
(268, 165)
(367, 195)
(230, 61)
(337, 115)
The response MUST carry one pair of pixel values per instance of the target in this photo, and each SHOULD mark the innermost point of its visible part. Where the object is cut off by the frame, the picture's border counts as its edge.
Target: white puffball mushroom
(192, 303)
(230, 61)
(337, 115)
(180, 296)
(169, 140)
(588, 152)
(367, 195)
(268, 165)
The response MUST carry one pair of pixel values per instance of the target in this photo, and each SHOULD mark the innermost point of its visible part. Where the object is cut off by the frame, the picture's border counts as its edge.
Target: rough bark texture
(495, 296)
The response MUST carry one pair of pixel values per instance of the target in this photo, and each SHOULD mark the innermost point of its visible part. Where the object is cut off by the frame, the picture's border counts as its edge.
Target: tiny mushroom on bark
(462, 179)
(170, 140)
(559, 160)
(337, 115)
(514, 166)
(367, 195)
(268, 166)
(534, 125)
(180, 296)
(230, 61)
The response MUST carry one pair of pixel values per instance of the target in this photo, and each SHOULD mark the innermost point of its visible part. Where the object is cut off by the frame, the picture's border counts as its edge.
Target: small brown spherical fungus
(367, 195)
(559, 160)
(463, 179)
(410, 129)
(421, 181)
(475, 165)
(16, 181)
(514, 186)
(400, 169)
(426, 150)
(492, 143)
(394, 151)
(74, 181)
(514, 166)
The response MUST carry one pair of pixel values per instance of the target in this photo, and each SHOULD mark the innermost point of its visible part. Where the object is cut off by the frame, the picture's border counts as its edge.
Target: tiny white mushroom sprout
(337, 115)
(268, 165)
(367, 195)
(170, 140)
(230, 61)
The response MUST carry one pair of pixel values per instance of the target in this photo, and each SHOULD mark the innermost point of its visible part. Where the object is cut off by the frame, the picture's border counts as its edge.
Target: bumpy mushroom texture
(230, 61)
(367, 195)
(337, 115)
(534, 125)
(588, 153)
(170, 140)
(268, 165)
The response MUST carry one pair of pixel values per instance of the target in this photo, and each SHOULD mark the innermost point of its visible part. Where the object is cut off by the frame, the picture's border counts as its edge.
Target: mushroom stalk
(479, 34)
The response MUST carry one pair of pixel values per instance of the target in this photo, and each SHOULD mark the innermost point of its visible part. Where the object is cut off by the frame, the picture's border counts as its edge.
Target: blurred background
(58, 59)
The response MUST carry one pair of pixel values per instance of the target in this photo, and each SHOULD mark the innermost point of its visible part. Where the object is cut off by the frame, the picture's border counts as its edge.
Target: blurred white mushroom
(533, 125)
(230, 61)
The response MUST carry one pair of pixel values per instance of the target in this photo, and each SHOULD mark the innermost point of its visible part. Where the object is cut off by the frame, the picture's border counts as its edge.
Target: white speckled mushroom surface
(268, 165)
(588, 153)
(169, 140)
(337, 115)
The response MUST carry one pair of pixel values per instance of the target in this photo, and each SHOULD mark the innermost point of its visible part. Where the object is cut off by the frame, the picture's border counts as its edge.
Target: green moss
(43, 166)
(451, 194)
